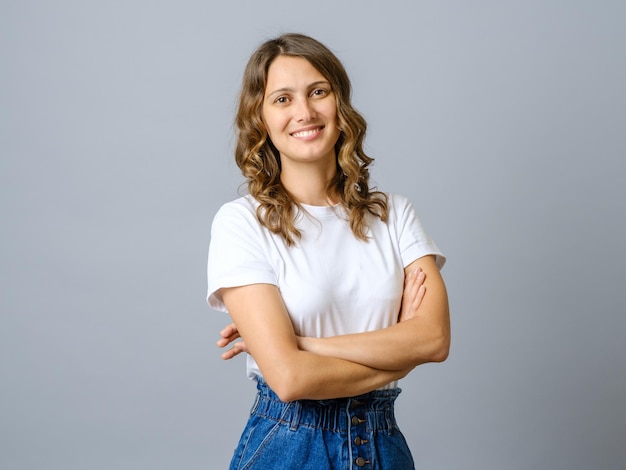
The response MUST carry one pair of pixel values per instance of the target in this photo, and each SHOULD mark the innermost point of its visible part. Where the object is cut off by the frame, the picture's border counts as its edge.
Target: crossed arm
(319, 368)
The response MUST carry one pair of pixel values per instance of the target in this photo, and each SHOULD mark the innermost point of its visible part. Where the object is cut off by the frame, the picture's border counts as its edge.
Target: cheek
(274, 123)
(331, 112)
(331, 115)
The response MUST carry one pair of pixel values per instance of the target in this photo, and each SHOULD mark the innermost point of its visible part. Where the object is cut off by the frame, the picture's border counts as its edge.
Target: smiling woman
(300, 114)
(334, 288)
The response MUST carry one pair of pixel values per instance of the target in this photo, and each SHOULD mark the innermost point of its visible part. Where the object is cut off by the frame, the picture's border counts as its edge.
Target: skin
(299, 110)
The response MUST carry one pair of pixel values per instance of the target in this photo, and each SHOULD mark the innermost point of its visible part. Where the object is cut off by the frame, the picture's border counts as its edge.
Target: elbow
(287, 393)
(286, 383)
(285, 390)
(434, 348)
(441, 348)
(441, 352)
(440, 342)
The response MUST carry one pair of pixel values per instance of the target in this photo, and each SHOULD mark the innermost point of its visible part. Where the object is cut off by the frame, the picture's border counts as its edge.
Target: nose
(305, 112)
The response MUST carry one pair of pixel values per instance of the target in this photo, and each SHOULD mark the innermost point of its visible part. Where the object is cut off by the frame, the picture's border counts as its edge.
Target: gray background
(503, 121)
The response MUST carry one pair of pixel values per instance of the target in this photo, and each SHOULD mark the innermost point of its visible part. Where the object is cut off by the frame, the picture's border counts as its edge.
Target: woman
(334, 288)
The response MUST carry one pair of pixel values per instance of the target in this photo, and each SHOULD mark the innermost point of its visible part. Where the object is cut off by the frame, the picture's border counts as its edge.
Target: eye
(281, 100)
(320, 92)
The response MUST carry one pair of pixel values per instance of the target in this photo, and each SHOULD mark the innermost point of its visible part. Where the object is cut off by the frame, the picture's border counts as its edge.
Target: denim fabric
(358, 433)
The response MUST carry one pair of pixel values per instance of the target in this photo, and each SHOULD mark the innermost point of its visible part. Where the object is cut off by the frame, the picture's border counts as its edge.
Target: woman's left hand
(413, 294)
(228, 335)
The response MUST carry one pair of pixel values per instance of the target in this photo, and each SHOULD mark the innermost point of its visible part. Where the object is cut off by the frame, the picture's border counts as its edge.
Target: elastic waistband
(374, 409)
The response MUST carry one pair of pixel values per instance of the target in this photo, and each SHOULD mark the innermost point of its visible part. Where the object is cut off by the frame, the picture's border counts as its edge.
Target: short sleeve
(236, 252)
(413, 240)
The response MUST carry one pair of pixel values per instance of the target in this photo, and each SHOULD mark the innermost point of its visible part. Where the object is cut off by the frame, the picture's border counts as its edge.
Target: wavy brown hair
(259, 160)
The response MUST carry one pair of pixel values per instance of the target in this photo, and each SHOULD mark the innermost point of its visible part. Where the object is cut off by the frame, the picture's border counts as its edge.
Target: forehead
(289, 72)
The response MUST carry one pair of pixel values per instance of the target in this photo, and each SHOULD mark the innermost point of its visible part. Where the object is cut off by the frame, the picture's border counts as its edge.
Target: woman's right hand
(229, 334)
(414, 291)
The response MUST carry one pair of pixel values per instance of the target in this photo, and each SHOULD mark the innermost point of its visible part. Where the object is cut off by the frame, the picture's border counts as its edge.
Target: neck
(308, 184)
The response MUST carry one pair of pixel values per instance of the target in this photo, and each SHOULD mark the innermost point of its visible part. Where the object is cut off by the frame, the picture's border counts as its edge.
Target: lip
(307, 133)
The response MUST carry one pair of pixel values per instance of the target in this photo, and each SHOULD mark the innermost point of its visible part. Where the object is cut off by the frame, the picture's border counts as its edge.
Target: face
(300, 112)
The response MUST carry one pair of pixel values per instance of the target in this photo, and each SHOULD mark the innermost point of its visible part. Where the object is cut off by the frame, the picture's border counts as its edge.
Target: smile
(307, 133)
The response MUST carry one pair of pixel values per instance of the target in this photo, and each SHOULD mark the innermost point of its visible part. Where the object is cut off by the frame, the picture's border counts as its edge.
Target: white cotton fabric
(331, 282)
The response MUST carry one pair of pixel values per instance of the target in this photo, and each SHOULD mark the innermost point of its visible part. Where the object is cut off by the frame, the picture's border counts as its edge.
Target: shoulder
(398, 205)
(240, 205)
(395, 199)
(243, 208)
(236, 218)
(414, 240)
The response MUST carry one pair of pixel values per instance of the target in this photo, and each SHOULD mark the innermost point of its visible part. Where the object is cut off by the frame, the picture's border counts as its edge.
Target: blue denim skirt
(357, 433)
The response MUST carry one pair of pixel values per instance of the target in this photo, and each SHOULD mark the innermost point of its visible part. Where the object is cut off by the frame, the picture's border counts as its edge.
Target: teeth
(305, 133)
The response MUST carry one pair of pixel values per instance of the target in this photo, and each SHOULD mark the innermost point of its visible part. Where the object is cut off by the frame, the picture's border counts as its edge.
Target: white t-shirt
(331, 282)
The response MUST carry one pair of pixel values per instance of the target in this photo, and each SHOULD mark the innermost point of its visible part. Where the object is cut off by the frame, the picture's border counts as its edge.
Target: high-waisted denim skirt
(354, 433)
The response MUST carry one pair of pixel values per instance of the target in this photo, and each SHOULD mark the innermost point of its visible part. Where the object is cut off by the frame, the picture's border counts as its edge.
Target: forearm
(325, 376)
(399, 347)
(311, 376)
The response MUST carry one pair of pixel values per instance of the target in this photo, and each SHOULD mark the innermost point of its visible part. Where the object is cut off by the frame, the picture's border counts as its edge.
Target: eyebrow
(311, 85)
